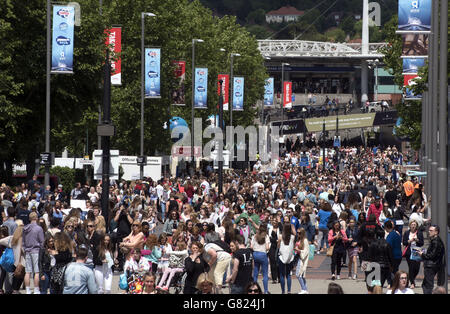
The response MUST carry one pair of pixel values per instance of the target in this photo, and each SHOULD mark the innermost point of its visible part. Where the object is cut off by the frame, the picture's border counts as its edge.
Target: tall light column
(47, 98)
(442, 170)
(433, 65)
(282, 96)
(365, 51)
(232, 55)
(194, 40)
(143, 15)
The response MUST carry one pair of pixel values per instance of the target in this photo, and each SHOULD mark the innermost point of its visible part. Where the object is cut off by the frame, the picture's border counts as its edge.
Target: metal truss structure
(317, 49)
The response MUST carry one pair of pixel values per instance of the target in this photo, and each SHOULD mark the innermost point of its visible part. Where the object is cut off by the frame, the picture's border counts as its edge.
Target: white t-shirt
(287, 251)
(260, 247)
(338, 208)
(398, 291)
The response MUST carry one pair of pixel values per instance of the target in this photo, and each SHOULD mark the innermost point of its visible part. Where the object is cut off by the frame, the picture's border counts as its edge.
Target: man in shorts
(33, 240)
(218, 260)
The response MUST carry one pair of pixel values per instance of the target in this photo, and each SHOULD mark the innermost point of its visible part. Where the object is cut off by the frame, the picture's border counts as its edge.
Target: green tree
(256, 17)
(260, 32)
(75, 98)
(335, 35)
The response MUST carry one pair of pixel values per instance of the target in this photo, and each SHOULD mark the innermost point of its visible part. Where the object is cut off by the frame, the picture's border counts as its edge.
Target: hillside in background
(322, 20)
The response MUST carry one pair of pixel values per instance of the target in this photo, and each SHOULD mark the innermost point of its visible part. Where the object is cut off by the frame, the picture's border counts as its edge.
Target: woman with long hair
(352, 248)
(274, 235)
(400, 284)
(337, 238)
(135, 240)
(152, 251)
(45, 262)
(323, 216)
(103, 273)
(63, 256)
(186, 212)
(15, 243)
(166, 248)
(302, 249)
(412, 239)
(195, 265)
(286, 255)
(261, 244)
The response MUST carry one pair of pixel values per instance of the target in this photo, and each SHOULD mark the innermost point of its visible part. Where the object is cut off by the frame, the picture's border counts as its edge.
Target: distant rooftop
(288, 10)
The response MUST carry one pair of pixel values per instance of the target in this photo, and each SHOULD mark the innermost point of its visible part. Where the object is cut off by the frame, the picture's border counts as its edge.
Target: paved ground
(318, 277)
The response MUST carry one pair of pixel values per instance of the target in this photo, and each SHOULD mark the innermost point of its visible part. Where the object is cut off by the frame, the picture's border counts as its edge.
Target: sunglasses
(70, 227)
(253, 291)
(91, 226)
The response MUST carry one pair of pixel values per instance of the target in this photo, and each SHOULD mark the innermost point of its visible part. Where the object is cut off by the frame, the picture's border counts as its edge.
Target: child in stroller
(176, 265)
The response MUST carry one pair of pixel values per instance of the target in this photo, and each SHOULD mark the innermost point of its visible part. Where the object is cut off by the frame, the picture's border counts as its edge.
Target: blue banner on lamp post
(414, 15)
(201, 88)
(268, 93)
(152, 72)
(238, 94)
(62, 39)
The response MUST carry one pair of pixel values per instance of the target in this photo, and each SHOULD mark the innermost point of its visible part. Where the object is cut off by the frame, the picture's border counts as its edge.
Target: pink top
(330, 236)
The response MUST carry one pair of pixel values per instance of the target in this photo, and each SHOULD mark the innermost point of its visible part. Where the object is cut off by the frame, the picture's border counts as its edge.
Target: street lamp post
(47, 101)
(220, 151)
(323, 143)
(232, 55)
(262, 107)
(143, 15)
(194, 40)
(282, 96)
(442, 171)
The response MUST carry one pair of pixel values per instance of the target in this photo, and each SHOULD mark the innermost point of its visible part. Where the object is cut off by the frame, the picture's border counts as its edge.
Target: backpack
(7, 260)
(57, 278)
(223, 245)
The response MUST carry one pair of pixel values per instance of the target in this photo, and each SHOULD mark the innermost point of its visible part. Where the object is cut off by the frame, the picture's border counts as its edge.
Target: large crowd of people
(181, 235)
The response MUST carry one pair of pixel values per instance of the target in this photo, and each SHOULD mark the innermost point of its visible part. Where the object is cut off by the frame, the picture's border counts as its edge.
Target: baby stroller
(177, 282)
(135, 282)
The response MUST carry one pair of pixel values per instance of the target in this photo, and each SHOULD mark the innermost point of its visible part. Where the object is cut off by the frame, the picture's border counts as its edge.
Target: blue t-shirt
(295, 222)
(323, 216)
(395, 241)
(355, 213)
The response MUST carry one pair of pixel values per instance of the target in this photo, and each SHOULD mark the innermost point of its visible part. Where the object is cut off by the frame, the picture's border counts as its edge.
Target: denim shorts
(32, 263)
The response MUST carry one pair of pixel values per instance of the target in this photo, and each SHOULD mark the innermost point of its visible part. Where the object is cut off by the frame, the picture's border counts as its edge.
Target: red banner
(408, 79)
(287, 94)
(180, 74)
(114, 38)
(225, 89)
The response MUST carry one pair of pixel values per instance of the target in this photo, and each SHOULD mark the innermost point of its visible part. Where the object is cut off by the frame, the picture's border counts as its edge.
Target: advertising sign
(238, 93)
(414, 15)
(114, 38)
(363, 120)
(415, 45)
(225, 89)
(62, 39)
(152, 72)
(287, 92)
(408, 81)
(180, 74)
(268, 92)
(201, 88)
(412, 65)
